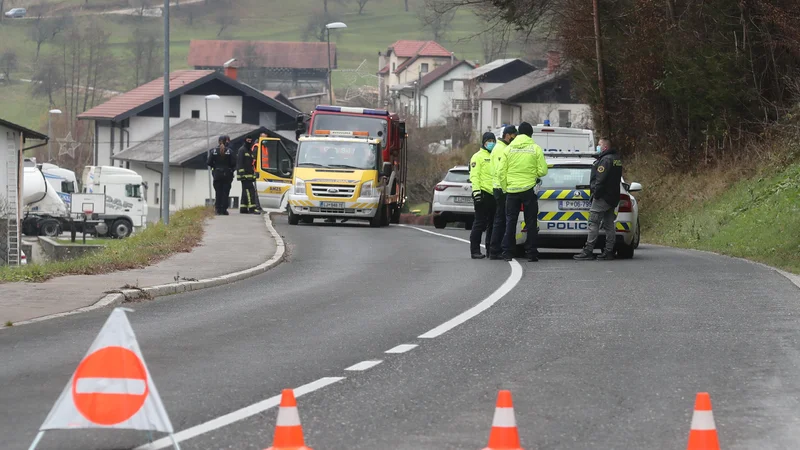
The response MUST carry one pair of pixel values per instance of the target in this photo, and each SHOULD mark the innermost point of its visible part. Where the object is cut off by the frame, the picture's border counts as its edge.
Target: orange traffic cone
(288, 432)
(703, 435)
(504, 435)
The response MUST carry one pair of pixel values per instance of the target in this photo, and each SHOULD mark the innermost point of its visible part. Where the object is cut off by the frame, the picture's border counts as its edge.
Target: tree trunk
(325, 5)
(605, 127)
(406, 5)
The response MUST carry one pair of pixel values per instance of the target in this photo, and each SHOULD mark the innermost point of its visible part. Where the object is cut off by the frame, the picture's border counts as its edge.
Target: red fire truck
(380, 124)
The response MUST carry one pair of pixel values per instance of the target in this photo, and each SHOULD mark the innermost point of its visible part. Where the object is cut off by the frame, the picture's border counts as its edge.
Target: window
(563, 118)
(457, 176)
(567, 177)
(172, 195)
(393, 67)
(271, 154)
(67, 187)
(156, 192)
(423, 67)
(195, 114)
(448, 86)
(133, 191)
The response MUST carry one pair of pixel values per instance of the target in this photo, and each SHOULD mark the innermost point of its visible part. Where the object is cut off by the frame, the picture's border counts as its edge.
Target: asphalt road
(598, 355)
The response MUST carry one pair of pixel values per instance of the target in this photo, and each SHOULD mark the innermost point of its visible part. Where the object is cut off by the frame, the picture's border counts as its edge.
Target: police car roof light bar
(348, 109)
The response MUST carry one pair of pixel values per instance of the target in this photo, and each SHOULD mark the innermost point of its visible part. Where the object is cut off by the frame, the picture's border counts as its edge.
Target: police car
(564, 197)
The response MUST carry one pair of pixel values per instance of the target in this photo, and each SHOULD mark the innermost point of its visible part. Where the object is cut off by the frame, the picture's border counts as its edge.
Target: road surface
(598, 355)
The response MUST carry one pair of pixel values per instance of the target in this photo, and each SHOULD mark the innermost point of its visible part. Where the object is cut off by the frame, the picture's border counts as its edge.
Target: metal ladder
(12, 222)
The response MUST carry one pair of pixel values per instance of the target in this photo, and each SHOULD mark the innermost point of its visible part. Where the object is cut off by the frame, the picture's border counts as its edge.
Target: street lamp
(329, 27)
(50, 132)
(208, 140)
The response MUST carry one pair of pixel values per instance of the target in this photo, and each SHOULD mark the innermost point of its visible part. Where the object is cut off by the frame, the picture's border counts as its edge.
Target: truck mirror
(285, 167)
(402, 128)
(386, 169)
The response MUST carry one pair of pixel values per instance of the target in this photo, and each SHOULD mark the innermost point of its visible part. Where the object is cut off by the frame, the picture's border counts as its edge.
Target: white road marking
(130, 386)
(402, 348)
(510, 283)
(237, 415)
(364, 365)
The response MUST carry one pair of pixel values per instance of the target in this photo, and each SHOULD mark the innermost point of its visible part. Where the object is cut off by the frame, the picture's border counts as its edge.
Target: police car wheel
(637, 236)
(625, 251)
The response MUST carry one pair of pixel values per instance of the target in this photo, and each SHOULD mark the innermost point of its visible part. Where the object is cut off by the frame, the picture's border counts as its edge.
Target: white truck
(47, 198)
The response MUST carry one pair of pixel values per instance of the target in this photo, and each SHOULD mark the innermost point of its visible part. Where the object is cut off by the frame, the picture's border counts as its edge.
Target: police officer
(222, 163)
(482, 177)
(604, 181)
(499, 191)
(522, 167)
(245, 173)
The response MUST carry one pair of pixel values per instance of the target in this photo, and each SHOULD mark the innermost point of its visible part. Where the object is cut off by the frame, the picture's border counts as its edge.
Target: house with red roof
(406, 61)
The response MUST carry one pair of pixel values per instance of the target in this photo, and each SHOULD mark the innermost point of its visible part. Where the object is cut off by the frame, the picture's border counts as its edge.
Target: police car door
(274, 172)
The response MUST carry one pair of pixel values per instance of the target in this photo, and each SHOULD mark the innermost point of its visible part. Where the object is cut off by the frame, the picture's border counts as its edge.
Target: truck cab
(126, 208)
(340, 174)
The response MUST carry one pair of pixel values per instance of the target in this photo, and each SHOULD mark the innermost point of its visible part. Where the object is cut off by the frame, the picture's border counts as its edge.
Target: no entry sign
(110, 386)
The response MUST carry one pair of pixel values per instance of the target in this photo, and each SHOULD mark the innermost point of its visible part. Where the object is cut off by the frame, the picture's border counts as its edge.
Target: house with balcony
(406, 61)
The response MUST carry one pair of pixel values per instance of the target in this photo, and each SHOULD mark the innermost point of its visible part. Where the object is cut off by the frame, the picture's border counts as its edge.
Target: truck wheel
(49, 228)
(439, 222)
(386, 215)
(121, 228)
(377, 220)
(294, 219)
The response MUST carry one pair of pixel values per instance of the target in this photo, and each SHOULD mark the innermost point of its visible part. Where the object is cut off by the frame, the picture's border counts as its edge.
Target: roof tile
(406, 48)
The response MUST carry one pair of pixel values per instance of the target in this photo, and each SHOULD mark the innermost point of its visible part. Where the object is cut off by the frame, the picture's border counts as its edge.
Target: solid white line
(402, 348)
(364, 365)
(510, 283)
(237, 415)
(131, 386)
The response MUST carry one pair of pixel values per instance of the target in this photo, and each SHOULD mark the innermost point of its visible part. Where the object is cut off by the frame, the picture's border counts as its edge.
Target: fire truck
(386, 130)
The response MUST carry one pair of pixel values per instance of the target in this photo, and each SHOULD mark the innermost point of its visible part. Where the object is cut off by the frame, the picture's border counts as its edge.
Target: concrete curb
(118, 297)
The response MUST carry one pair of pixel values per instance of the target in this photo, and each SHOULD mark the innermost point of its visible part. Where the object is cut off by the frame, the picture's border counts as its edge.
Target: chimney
(381, 64)
(230, 68)
(553, 61)
(452, 58)
(381, 61)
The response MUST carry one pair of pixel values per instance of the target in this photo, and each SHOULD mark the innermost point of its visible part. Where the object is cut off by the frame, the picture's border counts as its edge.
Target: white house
(13, 138)
(406, 61)
(541, 95)
(433, 98)
(135, 118)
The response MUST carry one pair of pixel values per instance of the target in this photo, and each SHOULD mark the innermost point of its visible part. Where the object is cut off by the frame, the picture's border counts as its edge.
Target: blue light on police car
(547, 123)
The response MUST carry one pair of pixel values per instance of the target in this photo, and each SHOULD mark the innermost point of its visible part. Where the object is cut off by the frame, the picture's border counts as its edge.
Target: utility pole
(605, 126)
(165, 195)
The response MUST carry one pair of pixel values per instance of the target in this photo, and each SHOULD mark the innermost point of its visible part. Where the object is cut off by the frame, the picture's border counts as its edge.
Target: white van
(560, 139)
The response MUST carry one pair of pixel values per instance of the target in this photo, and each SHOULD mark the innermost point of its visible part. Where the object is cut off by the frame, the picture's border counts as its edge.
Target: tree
(406, 4)
(435, 22)
(146, 50)
(46, 29)
(361, 5)
(47, 80)
(315, 26)
(8, 63)
(225, 19)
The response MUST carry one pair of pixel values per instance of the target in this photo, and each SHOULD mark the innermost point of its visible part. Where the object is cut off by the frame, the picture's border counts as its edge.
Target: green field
(19, 107)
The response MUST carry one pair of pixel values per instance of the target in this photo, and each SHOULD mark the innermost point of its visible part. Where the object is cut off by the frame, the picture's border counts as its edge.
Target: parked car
(452, 199)
(16, 13)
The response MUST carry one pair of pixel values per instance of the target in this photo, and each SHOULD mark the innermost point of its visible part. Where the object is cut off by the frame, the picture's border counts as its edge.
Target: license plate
(332, 204)
(574, 204)
(462, 199)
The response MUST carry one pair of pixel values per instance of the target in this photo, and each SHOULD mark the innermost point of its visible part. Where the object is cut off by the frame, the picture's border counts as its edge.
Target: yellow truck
(339, 174)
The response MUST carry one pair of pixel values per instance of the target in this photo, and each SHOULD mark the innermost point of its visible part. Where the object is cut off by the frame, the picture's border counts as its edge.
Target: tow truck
(378, 124)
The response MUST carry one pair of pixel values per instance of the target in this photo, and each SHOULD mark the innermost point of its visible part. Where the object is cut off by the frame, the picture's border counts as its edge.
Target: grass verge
(145, 248)
(753, 214)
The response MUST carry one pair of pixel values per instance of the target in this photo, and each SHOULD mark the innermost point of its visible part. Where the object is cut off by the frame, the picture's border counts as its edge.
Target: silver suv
(452, 199)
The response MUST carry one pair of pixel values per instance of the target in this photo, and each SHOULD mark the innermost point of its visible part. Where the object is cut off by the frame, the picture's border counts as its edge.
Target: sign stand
(110, 388)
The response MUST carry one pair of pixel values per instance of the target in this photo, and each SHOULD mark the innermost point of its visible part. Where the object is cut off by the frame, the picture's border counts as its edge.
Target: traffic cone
(504, 435)
(288, 432)
(703, 435)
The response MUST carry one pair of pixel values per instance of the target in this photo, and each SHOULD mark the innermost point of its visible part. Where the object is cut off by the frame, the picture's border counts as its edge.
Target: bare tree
(361, 5)
(46, 29)
(8, 63)
(494, 42)
(140, 6)
(145, 49)
(47, 80)
(249, 55)
(315, 26)
(2, 9)
(226, 18)
(436, 22)
(406, 2)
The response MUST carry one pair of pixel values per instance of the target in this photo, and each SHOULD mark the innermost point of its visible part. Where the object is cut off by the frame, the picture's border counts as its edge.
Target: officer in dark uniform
(246, 174)
(222, 164)
(605, 181)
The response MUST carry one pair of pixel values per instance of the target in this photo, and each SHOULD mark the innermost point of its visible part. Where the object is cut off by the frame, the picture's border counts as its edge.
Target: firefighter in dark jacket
(246, 174)
(222, 164)
(605, 181)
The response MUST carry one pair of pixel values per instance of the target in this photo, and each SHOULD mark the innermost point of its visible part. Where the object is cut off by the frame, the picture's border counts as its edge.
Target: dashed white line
(510, 283)
(237, 415)
(402, 348)
(364, 365)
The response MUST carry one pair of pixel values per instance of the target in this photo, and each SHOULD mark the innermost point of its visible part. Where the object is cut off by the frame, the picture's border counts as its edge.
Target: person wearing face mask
(604, 181)
(498, 153)
(481, 176)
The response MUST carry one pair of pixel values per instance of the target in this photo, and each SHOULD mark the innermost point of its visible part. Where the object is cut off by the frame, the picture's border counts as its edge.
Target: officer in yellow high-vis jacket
(498, 155)
(481, 176)
(523, 166)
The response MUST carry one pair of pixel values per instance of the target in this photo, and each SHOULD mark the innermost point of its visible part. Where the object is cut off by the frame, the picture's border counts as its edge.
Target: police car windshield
(567, 177)
(457, 176)
(339, 155)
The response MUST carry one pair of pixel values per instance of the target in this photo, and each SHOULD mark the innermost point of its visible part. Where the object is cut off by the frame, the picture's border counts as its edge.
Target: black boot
(478, 256)
(606, 256)
(584, 255)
